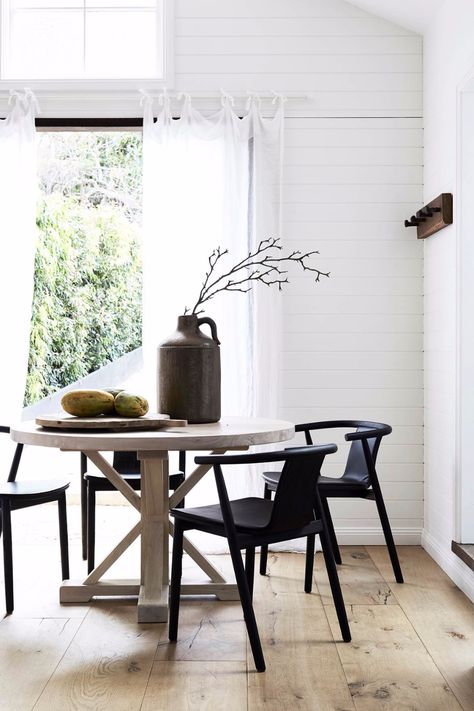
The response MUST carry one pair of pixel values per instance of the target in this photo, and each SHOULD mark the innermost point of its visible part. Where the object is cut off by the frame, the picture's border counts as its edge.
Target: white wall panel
(325, 304)
(449, 57)
(381, 46)
(318, 378)
(332, 156)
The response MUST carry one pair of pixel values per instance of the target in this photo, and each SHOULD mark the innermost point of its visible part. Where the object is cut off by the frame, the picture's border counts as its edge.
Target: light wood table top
(229, 432)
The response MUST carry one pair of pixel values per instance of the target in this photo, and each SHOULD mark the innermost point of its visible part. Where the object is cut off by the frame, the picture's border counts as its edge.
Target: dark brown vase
(189, 372)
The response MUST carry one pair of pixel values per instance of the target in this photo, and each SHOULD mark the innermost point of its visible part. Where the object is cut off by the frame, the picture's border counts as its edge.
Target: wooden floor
(412, 646)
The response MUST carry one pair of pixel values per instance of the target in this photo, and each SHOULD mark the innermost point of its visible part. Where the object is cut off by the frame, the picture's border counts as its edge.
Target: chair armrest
(264, 457)
(368, 433)
(372, 429)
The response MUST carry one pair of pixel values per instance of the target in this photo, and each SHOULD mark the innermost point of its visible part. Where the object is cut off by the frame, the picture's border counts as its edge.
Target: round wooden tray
(112, 424)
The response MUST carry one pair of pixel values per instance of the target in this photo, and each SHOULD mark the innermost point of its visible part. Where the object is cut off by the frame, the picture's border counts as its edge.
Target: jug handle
(212, 326)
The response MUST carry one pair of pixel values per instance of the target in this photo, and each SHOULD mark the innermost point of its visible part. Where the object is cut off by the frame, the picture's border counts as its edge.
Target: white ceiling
(413, 14)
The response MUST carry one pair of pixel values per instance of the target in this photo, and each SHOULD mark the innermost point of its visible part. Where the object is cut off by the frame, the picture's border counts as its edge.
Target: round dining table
(153, 502)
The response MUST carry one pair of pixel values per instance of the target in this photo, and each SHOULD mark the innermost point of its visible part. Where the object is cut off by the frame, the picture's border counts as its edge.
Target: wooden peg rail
(432, 217)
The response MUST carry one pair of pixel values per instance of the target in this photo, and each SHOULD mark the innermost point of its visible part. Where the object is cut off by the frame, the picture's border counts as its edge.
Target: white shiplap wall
(449, 57)
(352, 345)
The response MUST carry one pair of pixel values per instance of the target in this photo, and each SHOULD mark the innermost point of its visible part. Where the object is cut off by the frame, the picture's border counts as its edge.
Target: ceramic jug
(189, 372)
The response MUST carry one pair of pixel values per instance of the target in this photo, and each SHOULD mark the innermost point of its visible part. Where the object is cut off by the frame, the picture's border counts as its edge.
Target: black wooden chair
(127, 464)
(251, 522)
(20, 495)
(359, 480)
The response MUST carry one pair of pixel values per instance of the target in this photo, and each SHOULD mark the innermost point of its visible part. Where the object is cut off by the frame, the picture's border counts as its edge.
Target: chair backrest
(126, 463)
(293, 506)
(16, 456)
(356, 470)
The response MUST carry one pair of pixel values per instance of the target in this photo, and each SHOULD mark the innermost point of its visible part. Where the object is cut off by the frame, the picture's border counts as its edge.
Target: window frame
(87, 87)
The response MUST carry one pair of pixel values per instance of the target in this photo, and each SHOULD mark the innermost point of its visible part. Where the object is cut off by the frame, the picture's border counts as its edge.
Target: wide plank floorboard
(303, 667)
(106, 666)
(441, 614)
(386, 664)
(207, 686)
(30, 651)
(361, 581)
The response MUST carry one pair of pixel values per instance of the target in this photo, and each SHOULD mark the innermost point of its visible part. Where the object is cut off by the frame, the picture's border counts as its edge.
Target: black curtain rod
(138, 122)
(89, 122)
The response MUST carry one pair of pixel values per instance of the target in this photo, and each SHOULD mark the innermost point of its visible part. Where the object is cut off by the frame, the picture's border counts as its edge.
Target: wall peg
(432, 217)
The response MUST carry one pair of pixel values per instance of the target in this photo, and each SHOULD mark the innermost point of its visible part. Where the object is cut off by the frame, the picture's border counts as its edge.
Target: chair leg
(246, 602)
(387, 531)
(335, 586)
(331, 531)
(63, 540)
(250, 568)
(267, 494)
(7, 554)
(84, 516)
(90, 527)
(181, 504)
(175, 583)
(308, 574)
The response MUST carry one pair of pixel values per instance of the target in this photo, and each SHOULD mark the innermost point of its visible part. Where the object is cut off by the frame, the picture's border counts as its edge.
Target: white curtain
(18, 235)
(214, 181)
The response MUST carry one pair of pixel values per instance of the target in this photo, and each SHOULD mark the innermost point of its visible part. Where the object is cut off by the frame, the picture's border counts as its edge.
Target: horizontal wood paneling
(363, 231)
(269, 8)
(352, 175)
(300, 133)
(357, 286)
(317, 378)
(333, 342)
(349, 212)
(292, 24)
(334, 156)
(328, 46)
(315, 64)
(362, 267)
(353, 360)
(379, 324)
(365, 305)
(394, 416)
(373, 397)
(396, 509)
(362, 249)
(347, 193)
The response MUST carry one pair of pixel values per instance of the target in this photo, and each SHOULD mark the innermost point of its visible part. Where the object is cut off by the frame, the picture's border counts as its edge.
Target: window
(88, 266)
(84, 39)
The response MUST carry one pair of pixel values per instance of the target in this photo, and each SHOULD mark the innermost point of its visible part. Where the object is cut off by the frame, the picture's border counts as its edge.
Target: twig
(263, 265)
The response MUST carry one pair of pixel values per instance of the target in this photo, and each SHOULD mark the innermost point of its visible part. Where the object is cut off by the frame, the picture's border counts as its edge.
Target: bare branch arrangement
(263, 265)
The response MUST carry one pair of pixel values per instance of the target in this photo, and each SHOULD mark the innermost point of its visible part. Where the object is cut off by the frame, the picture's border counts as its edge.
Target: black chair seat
(15, 495)
(331, 486)
(33, 488)
(251, 514)
(100, 482)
